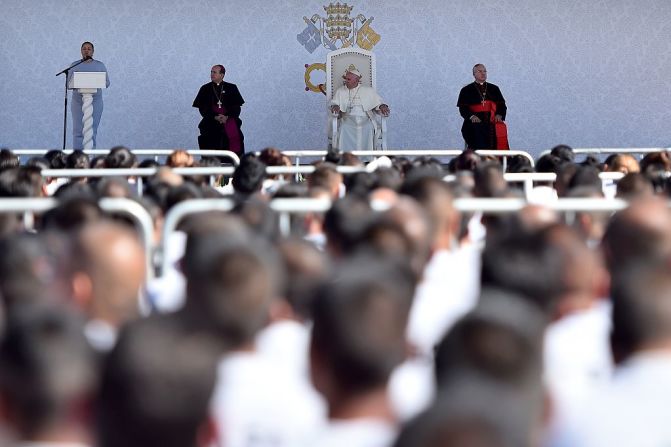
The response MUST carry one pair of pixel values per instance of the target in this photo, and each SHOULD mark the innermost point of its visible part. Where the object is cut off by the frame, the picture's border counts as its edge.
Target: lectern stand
(86, 84)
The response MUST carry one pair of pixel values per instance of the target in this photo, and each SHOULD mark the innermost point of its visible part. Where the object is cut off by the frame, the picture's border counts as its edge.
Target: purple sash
(231, 130)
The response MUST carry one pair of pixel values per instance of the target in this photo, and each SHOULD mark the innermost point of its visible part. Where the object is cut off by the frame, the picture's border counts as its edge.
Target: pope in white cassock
(355, 105)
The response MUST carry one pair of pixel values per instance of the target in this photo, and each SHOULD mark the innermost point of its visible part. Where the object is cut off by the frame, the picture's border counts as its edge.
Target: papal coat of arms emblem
(336, 30)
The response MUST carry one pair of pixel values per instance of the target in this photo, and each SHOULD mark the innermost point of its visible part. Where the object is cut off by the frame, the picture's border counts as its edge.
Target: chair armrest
(333, 123)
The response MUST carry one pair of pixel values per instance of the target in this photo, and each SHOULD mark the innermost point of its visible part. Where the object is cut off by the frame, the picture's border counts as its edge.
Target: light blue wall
(582, 73)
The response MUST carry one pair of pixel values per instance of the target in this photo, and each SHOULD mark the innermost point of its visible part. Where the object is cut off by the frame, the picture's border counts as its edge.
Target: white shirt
(354, 433)
(286, 344)
(449, 290)
(577, 356)
(256, 404)
(631, 411)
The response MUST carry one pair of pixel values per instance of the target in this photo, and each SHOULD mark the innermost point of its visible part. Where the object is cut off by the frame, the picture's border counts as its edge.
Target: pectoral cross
(219, 104)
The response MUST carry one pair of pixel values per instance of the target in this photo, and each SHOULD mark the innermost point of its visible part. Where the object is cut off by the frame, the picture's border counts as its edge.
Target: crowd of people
(391, 319)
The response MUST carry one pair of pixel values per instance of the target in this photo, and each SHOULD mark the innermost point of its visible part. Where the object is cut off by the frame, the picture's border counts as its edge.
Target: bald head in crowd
(641, 231)
(110, 268)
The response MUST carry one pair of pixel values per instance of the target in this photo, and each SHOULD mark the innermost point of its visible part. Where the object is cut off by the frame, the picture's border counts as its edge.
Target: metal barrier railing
(528, 178)
(128, 207)
(150, 152)
(285, 207)
(282, 206)
(506, 206)
(613, 150)
(414, 153)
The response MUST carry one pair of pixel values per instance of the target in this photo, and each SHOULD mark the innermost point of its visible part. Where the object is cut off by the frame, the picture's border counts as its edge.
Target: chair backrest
(339, 60)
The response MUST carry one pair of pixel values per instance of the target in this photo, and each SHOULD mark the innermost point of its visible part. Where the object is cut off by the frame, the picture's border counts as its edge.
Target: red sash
(231, 130)
(500, 128)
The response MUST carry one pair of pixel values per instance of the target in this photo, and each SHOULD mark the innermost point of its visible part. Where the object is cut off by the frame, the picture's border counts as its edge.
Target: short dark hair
(563, 152)
(87, 42)
(77, 160)
(8, 160)
(56, 158)
(249, 175)
(466, 415)
(222, 69)
(156, 385)
(46, 366)
(230, 283)
(345, 223)
(359, 322)
(22, 181)
(524, 262)
(641, 311)
(120, 157)
(499, 339)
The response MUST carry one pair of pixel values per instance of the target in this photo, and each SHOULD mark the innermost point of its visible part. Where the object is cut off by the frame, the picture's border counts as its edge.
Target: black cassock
(214, 135)
(480, 135)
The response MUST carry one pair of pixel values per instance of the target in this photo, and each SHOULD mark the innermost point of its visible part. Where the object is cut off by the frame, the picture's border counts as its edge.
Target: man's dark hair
(523, 262)
(23, 181)
(592, 162)
(638, 233)
(46, 368)
(249, 175)
(56, 158)
(222, 69)
(156, 386)
(32, 265)
(97, 162)
(87, 42)
(500, 339)
(388, 178)
(549, 163)
(489, 181)
(585, 175)
(428, 163)
(324, 176)
(359, 322)
(8, 160)
(345, 223)
(306, 267)
(519, 163)
(563, 152)
(641, 307)
(77, 160)
(230, 282)
(120, 157)
(358, 184)
(149, 163)
(113, 187)
(73, 213)
(466, 415)
(177, 194)
(634, 185)
(259, 217)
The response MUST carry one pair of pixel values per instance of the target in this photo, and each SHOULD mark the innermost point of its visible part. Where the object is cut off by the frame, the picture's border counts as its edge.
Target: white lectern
(86, 83)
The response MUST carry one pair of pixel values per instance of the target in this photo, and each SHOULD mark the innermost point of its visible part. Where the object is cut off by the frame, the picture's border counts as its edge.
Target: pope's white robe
(356, 129)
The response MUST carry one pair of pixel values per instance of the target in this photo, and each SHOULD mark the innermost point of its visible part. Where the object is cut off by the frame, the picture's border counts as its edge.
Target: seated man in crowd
(355, 104)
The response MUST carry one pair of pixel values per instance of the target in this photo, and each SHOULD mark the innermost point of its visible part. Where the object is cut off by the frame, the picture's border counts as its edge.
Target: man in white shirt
(358, 338)
(633, 408)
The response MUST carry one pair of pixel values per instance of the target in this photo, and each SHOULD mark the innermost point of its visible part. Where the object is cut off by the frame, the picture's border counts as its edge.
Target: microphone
(86, 58)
